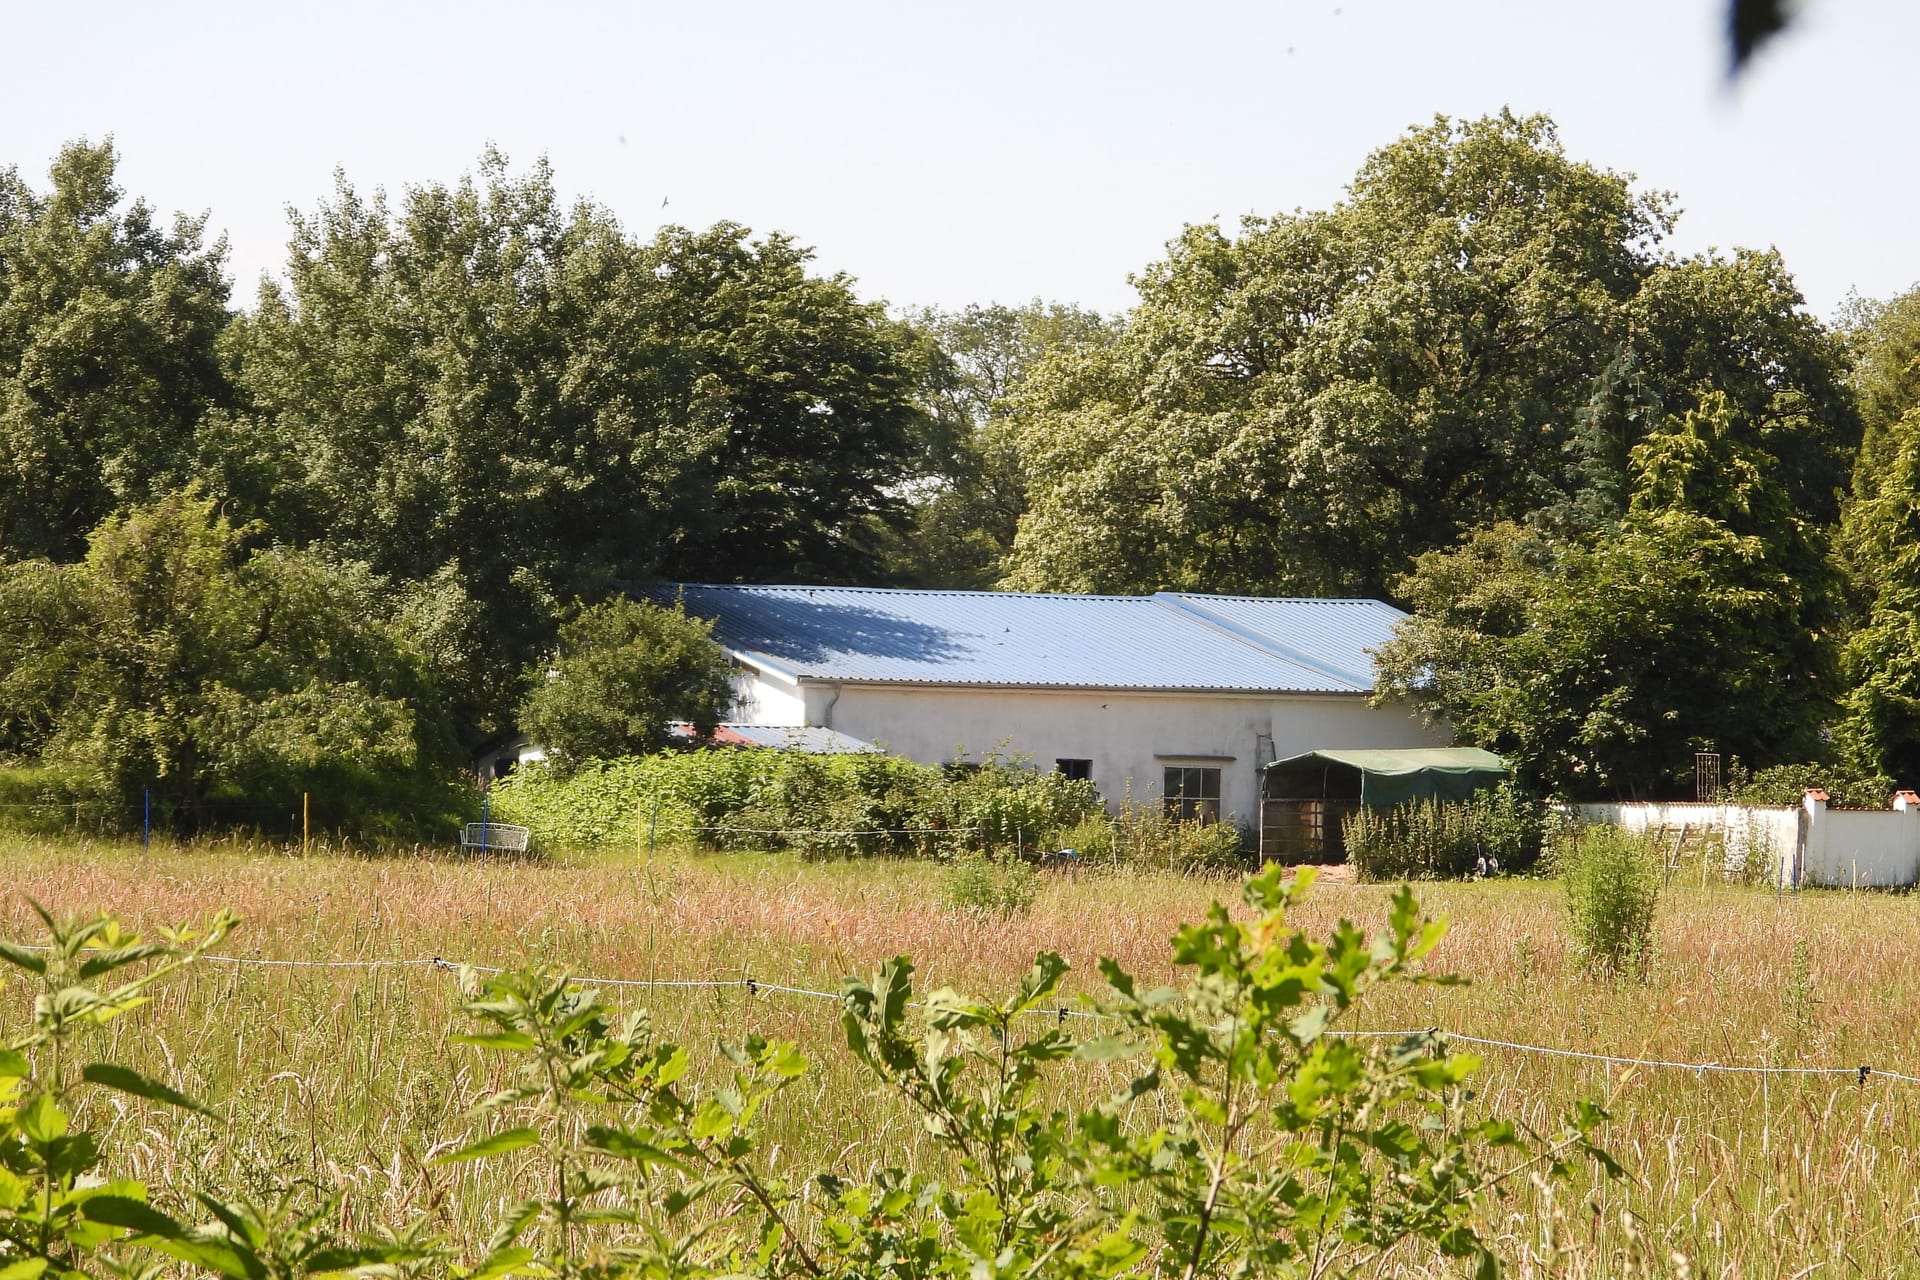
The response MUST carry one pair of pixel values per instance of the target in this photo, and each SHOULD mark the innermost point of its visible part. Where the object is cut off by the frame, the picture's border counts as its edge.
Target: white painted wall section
(764, 697)
(1130, 737)
(1848, 847)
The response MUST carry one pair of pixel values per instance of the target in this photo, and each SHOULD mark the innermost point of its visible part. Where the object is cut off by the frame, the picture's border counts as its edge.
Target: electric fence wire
(754, 986)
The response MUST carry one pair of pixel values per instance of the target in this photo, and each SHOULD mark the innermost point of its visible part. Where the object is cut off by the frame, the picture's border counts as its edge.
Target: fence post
(306, 826)
(146, 818)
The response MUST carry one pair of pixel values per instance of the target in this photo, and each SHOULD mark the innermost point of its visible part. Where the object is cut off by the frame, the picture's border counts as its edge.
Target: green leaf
(712, 1121)
(513, 1041)
(24, 1269)
(339, 1258)
(42, 1119)
(498, 1144)
(134, 1215)
(14, 1065)
(502, 1262)
(1308, 1026)
(20, 957)
(129, 1081)
(118, 957)
(1106, 1049)
(626, 1145)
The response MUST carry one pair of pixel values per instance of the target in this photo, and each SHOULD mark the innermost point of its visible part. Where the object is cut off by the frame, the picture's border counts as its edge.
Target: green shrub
(1446, 839)
(1009, 807)
(1248, 1142)
(1091, 839)
(820, 806)
(987, 887)
(1788, 784)
(45, 799)
(1612, 880)
(1146, 835)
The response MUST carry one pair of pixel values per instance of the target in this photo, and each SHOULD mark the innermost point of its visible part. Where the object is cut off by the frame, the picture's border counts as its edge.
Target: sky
(945, 154)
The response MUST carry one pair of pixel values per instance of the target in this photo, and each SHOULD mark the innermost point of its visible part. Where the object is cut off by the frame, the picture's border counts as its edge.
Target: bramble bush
(1252, 1139)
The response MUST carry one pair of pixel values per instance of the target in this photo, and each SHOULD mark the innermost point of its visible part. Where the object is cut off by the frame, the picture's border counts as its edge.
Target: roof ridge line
(1181, 604)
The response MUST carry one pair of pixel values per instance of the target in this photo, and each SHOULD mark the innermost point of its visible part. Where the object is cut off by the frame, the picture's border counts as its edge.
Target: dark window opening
(1191, 793)
(1074, 770)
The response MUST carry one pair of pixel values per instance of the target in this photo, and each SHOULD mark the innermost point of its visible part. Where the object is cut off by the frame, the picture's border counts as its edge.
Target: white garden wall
(1809, 843)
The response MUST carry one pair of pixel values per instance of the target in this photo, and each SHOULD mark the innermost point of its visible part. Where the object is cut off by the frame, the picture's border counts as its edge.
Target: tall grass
(345, 1077)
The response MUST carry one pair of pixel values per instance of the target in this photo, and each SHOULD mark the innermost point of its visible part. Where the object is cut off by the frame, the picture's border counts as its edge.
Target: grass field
(343, 1076)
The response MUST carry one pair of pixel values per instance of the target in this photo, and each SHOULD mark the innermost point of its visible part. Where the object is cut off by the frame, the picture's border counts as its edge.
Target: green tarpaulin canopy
(1389, 776)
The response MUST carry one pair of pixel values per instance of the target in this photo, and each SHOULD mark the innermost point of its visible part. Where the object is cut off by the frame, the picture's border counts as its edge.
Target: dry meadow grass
(343, 1076)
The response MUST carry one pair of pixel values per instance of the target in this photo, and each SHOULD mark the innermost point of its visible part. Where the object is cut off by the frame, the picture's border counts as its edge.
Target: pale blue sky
(984, 151)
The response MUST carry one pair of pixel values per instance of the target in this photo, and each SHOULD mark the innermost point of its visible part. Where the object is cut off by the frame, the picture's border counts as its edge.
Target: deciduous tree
(623, 670)
(108, 326)
(1705, 616)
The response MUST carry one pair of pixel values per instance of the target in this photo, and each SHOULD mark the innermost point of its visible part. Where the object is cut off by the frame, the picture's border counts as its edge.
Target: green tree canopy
(486, 384)
(108, 329)
(1880, 730)
(175, 660)
(966, 502)
(622, 671)
(1703, 618)
(1482, 331)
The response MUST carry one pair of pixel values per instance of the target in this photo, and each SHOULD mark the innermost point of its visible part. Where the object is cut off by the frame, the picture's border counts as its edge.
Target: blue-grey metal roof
(1171, 641)
(810, 739)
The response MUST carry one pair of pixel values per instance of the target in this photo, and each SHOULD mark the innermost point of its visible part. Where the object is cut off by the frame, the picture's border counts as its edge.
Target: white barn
(1171, 696)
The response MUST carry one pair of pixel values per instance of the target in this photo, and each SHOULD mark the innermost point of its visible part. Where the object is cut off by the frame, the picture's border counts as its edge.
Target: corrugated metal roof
(1168, 641)
(810, 739)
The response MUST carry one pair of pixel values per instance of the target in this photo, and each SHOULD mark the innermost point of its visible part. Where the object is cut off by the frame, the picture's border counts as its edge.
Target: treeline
(1641, 504)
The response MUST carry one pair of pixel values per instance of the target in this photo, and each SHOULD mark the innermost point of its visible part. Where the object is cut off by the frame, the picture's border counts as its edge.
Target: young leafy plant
(57, 1215)
(623, 1151)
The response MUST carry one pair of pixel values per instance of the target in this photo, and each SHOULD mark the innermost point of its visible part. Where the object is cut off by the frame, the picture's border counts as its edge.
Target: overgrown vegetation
(1496, 830)
(1613, 881)
(1249, 1140)
(1657, 504)
(375, 1077)
(1788, 784)
(821, 806)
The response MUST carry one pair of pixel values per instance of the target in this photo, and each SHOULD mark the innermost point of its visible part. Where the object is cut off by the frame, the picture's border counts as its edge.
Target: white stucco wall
(1127, 736)
(761, 697)
(1810, 843)
(1849, 847)
(1769, 834)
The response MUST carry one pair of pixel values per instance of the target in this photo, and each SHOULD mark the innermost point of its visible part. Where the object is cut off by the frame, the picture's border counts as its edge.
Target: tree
(108, 327)
(1307, 406)
(623, 670)
(969, 495)
(175, 661)
(1737, 327)
(485, 384)
(1880, 730)
(1704, 617)
(804, 399)
(1483, 331)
